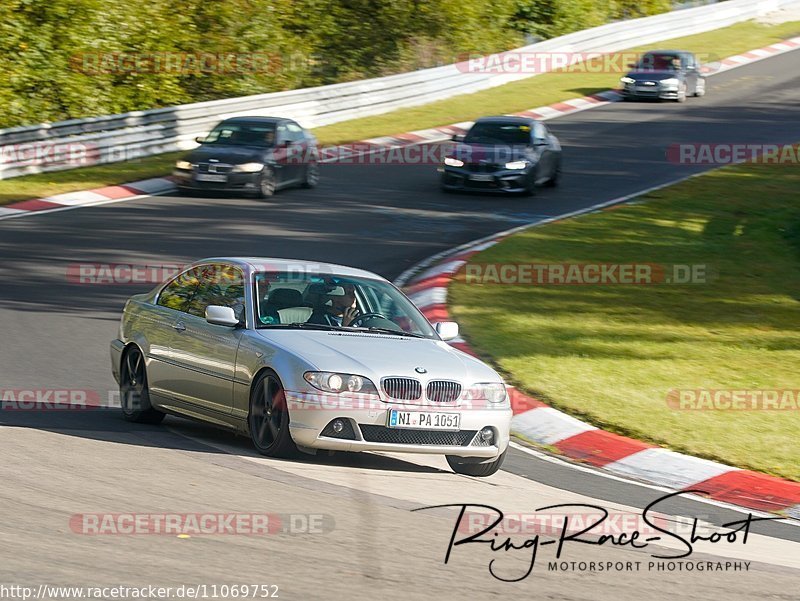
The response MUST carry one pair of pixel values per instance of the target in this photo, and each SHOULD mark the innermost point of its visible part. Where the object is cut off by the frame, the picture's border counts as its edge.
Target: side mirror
(221, 316)
(631, 65)
(200, 139)
(447, 330)
(539, 142)
(458, 138)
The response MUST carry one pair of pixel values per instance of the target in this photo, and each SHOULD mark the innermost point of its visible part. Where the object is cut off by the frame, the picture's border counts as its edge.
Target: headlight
(494, 392)
(672, 82)
(627, 79)
(335, 382)
(248, 167)
(186, 165)
(517, 165)
(453, 162)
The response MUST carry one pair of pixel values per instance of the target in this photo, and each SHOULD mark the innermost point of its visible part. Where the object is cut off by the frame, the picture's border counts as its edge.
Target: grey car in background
(263, 347)
(664, 75)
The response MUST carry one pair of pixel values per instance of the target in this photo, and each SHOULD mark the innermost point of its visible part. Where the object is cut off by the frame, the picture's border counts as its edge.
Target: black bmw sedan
(254, 155)
(503, 154)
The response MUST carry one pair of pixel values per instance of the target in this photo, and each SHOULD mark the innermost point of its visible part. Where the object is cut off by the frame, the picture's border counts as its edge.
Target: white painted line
(482, 246)
(446, 268)
(600, 473)
(153, 185)
(546, 425)
(9, 212)
(548, 113)
(76, 198)
(668, 468)
(429, 297)
(18, 214)
(579, 103)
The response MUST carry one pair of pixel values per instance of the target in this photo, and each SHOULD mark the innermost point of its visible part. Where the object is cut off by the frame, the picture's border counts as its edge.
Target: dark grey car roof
(506, 119)
(255, 120)
(667, 52)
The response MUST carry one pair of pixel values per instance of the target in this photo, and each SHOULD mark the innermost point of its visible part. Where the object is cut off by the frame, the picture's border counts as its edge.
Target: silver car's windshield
(330, 301)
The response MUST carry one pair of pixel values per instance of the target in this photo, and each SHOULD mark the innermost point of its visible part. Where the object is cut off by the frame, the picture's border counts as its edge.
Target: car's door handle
(179, 326)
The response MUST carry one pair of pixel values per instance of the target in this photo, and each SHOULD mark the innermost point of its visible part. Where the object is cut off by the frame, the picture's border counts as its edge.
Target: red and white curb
(537, 422)
(88, 198)
(164, 185)
(753, 56)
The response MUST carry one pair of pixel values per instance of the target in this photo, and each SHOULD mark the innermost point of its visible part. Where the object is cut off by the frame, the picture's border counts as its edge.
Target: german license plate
(211, 177)
(481, 177)
(424, 420)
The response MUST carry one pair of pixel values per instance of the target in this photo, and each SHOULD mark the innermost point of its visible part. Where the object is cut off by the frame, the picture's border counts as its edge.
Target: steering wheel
(364, 316)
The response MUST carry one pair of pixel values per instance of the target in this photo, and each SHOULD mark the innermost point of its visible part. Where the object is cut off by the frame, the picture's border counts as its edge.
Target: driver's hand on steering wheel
(349, 315)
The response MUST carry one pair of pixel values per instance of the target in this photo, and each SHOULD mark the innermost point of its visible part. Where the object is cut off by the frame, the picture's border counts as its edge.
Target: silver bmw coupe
(306, 356)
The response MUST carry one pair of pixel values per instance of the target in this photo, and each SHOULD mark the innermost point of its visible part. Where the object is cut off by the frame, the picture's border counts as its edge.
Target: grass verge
(513, 97)
(611, 354)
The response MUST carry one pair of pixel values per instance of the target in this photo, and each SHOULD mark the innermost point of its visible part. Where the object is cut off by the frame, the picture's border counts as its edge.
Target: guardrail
(78, 142)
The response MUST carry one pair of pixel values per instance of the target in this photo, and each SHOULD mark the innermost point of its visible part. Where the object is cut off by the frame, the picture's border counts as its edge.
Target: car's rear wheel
(462, 465)
(311, 178)
(266, 185)
(268, 419)
(134, 395)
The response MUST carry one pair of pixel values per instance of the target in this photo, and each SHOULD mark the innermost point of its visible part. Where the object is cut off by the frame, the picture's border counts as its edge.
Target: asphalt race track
(383, 218)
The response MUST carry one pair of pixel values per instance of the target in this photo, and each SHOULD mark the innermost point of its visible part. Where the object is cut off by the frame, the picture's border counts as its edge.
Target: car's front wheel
(266, 185)
(555, 178)
(700, 88)
(134, 395)
(268, 419)
(463, 465)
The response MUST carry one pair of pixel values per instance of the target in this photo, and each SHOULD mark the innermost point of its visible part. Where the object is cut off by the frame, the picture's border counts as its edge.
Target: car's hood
(645, 75)
(234, 155)
(376, 355)
(490, 153)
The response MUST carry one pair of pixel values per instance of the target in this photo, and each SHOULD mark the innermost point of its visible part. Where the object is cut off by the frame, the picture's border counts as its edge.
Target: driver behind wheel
(338, 308)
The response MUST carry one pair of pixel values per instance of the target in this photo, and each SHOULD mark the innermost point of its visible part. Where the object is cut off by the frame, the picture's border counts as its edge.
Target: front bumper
(501, 181)
(309, 417)
(243, 182)
(115, 348)
(657, 92)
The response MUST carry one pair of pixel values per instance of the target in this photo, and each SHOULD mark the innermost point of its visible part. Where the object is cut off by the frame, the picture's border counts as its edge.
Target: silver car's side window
(222, 285)
(179, 292)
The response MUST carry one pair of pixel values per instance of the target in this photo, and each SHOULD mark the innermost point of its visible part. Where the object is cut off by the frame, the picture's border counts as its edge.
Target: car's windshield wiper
(395, 332)
(301, 325)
